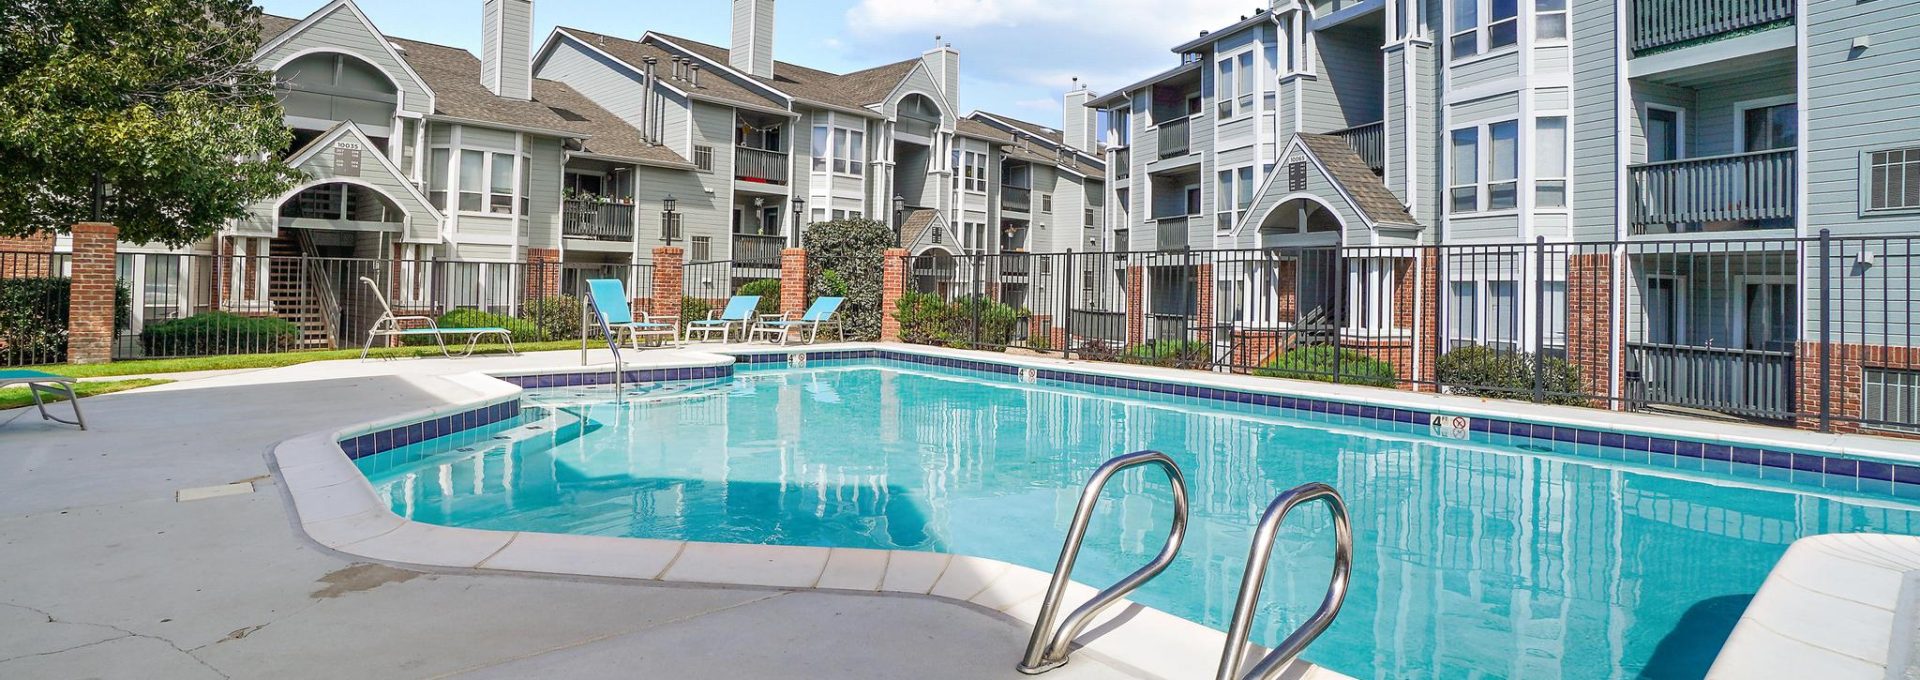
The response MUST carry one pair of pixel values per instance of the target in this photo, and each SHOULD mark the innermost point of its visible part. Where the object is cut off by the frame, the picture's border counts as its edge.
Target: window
(1771, 316)
(1193, 200)
(437, 174)
(1550, 20)
(1550, 162)
(972, 171)
(849, 151)
(1893, 179)
(487, 181)
(1501, 28)
(703, 158)
(500, 189)
(820, 150)
(1555, 304)
(1485, 313)
(1665, 130)
(702, 248)
(1463, 326)
(1233, 85)
(1665, 322)
(1768, 127)
(1233, 194)
(526, 188)
(1370, 294)
(1503, 165)
(1087, 218)
(1890, 399)
(1046, 204)
(473, 170)
(1465, 162)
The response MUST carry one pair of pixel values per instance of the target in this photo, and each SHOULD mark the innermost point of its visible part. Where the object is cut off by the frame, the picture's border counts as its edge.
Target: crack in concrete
(124, 634)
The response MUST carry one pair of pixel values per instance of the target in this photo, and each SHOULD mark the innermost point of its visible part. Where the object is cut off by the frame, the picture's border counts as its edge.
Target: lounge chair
(820, 313)
(610, 300)
(739, 312)
(38, 383)
(389, 326)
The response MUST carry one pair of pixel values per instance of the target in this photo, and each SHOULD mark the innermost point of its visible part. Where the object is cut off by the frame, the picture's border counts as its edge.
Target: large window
(1550, 162)
(972, 171)
(1464, 174)
(437, 174)
(1486, 179)
(473, 173)
(1765, 127)
(821, 152)
(1234, 84)
(1485, 313)
(1483, 26)
(1233, 194)
(1893, 179)
(849, 151)
(486, 181)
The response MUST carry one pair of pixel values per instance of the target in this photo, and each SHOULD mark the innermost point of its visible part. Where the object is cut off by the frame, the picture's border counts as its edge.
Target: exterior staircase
(297, 295)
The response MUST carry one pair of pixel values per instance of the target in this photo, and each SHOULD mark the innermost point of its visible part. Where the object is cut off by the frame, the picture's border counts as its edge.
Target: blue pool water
(1473, 558)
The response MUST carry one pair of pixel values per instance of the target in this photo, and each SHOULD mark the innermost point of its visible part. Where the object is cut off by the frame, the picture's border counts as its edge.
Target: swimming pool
(1498, 555)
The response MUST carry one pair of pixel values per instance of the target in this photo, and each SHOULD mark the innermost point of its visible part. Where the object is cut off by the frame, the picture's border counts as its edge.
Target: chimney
(506, 43)
(944, 63)
(693, 75)
(1077, 130)
(752, 51)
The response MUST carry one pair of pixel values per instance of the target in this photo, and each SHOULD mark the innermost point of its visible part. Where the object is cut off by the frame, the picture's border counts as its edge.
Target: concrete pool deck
(104, 574)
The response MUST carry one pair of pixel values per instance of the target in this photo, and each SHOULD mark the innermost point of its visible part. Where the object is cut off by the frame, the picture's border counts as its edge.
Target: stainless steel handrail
(1048, 648)
(1275, 661)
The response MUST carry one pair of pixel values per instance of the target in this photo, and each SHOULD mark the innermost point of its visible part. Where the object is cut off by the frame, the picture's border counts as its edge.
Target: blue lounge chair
(820, 313)
(739, 312)
(388, 325)
(610, 300)
(39, 383)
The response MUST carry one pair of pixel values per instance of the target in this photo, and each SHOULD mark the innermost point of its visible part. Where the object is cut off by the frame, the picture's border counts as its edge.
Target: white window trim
(1532, 166)
(1531, 12)
(1236, 110)
(486, 178)
(1483, 11)
(1680, 130)
(1864, 184)
(1679, 306)
(1740, 109)
(1483, 165)
(1482, 296)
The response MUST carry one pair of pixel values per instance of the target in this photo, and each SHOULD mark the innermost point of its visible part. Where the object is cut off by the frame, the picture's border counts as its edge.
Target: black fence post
(1074, 277)
(979, 276)
(1337, 312)
(1826, 325)
(1539, 319)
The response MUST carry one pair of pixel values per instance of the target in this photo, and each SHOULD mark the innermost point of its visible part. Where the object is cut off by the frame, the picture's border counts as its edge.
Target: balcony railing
(1369, 141)
(1170, 233)
(596, 220)
(1122, 164)
(1742, 382)
(1016, 264)
(758, 249)
(1175, 138)
(1016, 198)
(1658, 23)
(1692, 194)
(760, 165)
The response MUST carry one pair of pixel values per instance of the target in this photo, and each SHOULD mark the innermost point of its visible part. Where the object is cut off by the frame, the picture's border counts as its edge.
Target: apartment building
(1689, 155)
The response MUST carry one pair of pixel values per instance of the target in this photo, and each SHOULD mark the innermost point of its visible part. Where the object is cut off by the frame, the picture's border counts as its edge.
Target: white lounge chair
(389, 326)
(39, 383)
(820, 313)
(609, 298)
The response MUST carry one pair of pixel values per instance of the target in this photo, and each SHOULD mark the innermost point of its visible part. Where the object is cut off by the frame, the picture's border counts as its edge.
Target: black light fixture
(899, 211)
(799, 212)
(669, 220)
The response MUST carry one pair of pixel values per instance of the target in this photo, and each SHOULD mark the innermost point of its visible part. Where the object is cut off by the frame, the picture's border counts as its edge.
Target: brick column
(668, 275)
(543, 273)
(1136, 305)
(90, 306)
(893, 284)
(1422, 273)
(1204, 280)
(793, 281)
(1590, 292)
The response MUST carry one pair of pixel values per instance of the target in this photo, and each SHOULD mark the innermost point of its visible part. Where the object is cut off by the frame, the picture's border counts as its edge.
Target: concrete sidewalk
(103, 574)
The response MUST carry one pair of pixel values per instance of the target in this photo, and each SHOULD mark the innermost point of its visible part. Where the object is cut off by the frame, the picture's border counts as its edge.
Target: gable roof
(1370, 196)
(968, 127)
(855, 90)
(1028, 148)
(917, 227)
(634, 54)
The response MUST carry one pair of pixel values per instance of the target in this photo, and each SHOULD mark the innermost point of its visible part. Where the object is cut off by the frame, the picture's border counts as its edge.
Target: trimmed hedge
(557, 317)
(693, 309)
(769, 292)
(1483, 372)
(522, 330)
(1316, 362)
(969, 322)
(1170, 353)
(844, 259)
(218, 333)
(33, 318)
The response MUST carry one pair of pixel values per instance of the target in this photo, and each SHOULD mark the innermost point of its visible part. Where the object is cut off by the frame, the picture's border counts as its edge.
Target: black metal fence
(1813, 331)
(34, 294)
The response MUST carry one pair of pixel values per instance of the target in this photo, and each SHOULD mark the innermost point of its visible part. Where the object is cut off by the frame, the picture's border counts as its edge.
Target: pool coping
(1837, 606)
(338, 508)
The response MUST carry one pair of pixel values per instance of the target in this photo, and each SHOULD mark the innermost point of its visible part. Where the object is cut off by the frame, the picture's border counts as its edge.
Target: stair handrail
(329, 304)
(1048, 648)
(1270, 666)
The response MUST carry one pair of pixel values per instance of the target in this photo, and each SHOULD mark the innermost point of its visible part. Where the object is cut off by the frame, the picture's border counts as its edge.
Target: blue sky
(1017, 56)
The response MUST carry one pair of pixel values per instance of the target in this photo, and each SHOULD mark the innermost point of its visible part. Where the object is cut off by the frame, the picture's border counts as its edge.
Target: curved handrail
(1270, 666)
(1048, 648)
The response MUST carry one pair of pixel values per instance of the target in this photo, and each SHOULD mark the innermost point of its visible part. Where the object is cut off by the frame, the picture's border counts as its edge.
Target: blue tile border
(397, 436)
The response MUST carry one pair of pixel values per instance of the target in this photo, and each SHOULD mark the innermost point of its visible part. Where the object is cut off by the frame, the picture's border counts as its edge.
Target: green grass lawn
(235, 361)
(16, 397)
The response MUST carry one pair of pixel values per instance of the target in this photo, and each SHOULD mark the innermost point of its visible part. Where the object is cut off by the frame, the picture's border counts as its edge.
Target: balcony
(1751, 383)
(1716, 193)
(1170, 233)
(1175, 138)
(758, 249)
(1661, 23)
(1369, 141)
(1015, 264)
(596, 220)
(1016, 198)
(760, 165)
(1122, 164)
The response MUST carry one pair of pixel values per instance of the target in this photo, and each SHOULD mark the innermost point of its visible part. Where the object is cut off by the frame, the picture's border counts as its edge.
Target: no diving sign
(1450, 427)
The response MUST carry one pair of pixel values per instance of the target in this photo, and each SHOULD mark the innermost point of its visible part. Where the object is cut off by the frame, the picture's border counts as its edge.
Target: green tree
(158, 99)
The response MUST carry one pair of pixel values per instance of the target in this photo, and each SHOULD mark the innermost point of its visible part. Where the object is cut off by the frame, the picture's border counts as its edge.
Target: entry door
(1663, 135)
(1772, 316)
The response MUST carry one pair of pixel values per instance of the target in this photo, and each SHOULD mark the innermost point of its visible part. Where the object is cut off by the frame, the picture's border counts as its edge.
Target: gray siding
(606, 82)
(1595, 162)
(543, 200)
(712, 126)
(339, 31)
(1857, 104)
(1348, 89)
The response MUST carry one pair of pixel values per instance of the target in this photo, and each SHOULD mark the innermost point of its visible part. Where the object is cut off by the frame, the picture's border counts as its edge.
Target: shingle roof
(978, 130)
(851, 90)
(454, 76)
(1026, 149)
(635, 54)
(915, 224)
(1370, 195)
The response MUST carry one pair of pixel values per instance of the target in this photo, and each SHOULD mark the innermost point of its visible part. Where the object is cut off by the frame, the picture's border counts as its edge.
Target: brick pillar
(26, 256)
(1204, 280)
(1422, 273)
(90, 306)
(668, 275)
(1136, 305)
(793, 281)
(1590, 292)
(543, 274)
(893, 284)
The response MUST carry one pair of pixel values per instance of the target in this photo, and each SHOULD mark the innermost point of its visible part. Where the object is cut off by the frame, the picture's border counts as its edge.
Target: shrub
(557, 317)
(978, 322)
(694, 309)
(209, 333)
(1484, 372)
(1170, 353)
(521, 330)
(33, 318)
(856, 250)
(1039, 342)
(923, 319)
(769, 292)
(1316, 362)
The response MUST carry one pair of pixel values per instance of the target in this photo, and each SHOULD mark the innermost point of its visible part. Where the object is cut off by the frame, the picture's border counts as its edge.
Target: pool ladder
(1050, 646)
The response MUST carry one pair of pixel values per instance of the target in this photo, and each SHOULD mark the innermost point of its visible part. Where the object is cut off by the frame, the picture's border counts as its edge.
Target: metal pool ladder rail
(1275, 661)
(1049, 647)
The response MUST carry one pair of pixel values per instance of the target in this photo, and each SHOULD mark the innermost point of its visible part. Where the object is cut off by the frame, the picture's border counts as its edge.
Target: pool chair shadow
(1688, 650)
(897, 521)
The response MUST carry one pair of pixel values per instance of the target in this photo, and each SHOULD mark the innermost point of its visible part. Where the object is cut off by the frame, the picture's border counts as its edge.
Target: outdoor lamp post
(899, 209)
(799, 212)
(669, 220)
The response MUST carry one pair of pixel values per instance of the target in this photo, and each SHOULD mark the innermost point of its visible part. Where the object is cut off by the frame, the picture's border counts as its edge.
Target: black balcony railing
(596, 220)
(1016, 198)
(1717, 193)
(1369, 141)
(758, 249)
(1175, 138)
(760, 165)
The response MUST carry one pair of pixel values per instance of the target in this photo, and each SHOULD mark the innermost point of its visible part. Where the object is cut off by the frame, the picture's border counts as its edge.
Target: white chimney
(752, 50)
(944, 63)
(1078, 127)
(506, 44)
